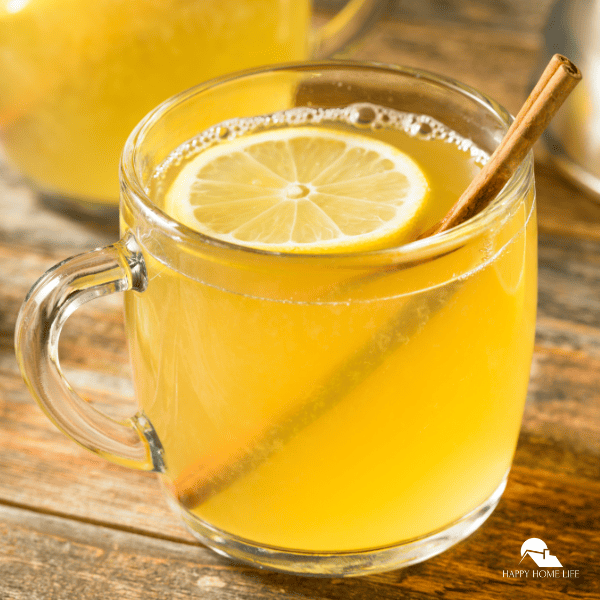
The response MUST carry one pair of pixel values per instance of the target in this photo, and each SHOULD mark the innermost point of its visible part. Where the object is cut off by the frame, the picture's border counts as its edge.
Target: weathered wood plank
(563, 209)
(513, 15)
(52, 558)
(43, 469)
(48, 558)
(561, 423)
(569, 280)
(561, 335)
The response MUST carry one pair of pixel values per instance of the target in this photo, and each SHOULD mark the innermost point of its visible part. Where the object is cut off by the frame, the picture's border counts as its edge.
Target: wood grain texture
(507, 15)
(500, 63)
(55, 558)
(563, 209)
(74, 527)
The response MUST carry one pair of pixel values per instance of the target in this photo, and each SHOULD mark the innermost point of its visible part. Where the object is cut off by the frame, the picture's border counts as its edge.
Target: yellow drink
(331, 408)
(77, 75)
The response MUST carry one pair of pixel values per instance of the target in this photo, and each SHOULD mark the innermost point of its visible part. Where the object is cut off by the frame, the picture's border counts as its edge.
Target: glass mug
(77, 75)
(318, 414)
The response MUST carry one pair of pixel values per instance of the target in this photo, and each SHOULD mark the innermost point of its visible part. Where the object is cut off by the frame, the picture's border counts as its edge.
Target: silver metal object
(573, 138)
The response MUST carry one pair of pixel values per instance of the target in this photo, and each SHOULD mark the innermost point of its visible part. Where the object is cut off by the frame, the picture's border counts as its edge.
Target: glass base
(342, 564)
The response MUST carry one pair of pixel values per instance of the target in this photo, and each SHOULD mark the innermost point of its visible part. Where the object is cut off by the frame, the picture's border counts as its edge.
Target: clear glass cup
(317, 414)
(76, 76)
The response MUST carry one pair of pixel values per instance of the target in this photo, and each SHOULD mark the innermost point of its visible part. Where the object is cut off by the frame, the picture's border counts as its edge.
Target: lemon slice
(300, 190)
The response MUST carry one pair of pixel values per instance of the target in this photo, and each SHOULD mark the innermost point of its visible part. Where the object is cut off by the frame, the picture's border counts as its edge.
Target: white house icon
(538, 551)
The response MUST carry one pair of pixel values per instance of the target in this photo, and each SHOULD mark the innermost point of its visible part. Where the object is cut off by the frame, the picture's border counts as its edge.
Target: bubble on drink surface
(360, 115)
(223, 133)
(425, 129)
(363, 115)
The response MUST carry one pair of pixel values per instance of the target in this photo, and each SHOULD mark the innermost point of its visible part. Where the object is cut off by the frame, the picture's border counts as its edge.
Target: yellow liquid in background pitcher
(76, 76)
(367, 418)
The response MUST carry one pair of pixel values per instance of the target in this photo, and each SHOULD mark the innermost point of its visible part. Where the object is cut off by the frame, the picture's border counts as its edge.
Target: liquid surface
(318, 409)
(417, 136)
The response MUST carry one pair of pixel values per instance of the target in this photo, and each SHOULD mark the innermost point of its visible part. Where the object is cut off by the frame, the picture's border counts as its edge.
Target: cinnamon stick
(556, 83)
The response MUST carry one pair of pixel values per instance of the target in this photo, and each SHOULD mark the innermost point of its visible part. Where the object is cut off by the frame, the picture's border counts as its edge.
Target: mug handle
(351, 23)
(55, 296)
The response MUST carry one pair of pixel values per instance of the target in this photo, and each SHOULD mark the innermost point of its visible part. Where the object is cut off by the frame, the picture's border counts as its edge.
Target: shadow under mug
(316, 414)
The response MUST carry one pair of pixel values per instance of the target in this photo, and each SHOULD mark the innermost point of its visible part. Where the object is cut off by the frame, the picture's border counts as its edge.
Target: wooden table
(75, 527)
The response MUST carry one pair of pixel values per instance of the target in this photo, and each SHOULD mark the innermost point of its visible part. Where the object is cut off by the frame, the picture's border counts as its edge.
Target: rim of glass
(441, 243)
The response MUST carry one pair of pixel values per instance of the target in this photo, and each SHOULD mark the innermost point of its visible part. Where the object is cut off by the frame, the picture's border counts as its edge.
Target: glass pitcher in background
(77, 75)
